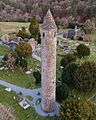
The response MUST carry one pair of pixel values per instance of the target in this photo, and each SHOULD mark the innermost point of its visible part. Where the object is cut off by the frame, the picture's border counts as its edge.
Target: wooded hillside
(23, 10)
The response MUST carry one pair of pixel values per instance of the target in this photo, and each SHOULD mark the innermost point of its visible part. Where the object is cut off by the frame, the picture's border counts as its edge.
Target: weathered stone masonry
(49, 40)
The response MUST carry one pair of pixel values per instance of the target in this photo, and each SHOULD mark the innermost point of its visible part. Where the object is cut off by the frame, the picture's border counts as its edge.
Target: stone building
(5, 38)
(48, 45)
(33, 43)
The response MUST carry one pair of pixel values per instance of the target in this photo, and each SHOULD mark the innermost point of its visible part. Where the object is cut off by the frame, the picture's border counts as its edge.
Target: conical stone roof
(49, 22)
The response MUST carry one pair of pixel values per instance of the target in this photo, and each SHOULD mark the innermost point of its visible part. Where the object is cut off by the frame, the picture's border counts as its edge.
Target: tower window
(43, 34)
(54, 34)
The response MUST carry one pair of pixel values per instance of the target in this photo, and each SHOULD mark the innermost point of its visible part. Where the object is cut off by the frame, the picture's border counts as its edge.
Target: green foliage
(68, 74)
(85, 76)
(62, 92)
(34, 28)
(37, 76)
(13, 60)
(67, 59)
(22, 33)
(39, 39)
(9, 60)
(77, 109)
(24, 50)
(5, 57)
(83, 50)
(23, 63)
(71, 25)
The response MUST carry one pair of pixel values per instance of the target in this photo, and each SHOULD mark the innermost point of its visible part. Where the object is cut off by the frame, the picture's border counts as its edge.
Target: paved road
(34, 94)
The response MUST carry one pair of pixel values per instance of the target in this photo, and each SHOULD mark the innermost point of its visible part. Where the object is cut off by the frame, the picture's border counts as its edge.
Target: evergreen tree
(34, 28)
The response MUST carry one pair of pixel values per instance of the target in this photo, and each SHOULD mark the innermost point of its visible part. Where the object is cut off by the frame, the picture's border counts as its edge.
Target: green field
(94, 34)
(18, 77)
(9, 27)
(4, 50)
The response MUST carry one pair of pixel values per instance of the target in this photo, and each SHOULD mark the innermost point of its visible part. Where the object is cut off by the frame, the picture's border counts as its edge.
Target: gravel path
(36, 57)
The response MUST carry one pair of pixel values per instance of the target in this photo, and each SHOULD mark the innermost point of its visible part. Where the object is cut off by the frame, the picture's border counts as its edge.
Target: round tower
(49, 39)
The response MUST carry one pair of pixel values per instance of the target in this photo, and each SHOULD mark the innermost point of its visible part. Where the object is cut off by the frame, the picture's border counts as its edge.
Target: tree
(83, 50)
(39, 39)
(85, 76)
(67, 59)
(23, 63)
(37, 76)
(34, 28)
(68, 74)
(77, 109)
(71, 25)
(9, 60)
(22, 33)
(62, 92)
(24, 50)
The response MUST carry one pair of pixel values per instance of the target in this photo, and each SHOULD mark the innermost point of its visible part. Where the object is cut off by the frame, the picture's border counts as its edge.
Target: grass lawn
(32, 63)
(18, 78)
(94, 34)
(8, 27)
(7, 99)
(4, 50)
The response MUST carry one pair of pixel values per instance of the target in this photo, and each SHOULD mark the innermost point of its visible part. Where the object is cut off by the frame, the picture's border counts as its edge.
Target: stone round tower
(49, 39)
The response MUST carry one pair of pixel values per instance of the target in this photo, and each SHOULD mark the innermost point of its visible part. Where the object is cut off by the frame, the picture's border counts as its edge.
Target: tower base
(45, 114)
(48, 108)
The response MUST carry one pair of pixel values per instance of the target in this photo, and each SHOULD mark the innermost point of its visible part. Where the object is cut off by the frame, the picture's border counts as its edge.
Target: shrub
(23, 63)
(37, 76)
(34, 28)
(85, 76)
(83, 50)
(9, 60)
(5, 57)
(22, 33)
(68, 74)
(77, 109)
(71, 25)
(39, 39)
(67, 59)
(62, 92)
(24, 50)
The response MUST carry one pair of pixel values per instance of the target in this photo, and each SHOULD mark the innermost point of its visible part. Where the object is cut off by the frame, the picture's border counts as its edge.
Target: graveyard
(47, 63)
